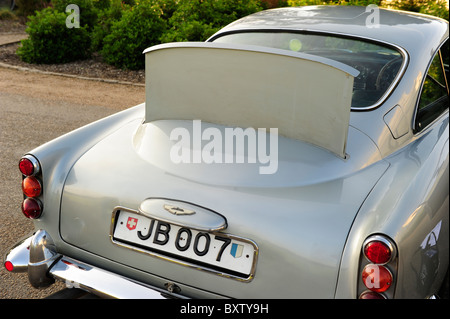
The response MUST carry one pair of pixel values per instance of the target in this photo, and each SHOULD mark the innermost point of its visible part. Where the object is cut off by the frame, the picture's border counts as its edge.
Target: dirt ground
(93, 67)
(59, 88)
(12, 31)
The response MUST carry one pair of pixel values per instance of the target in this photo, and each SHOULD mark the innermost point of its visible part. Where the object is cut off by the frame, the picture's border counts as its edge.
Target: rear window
(379, 65)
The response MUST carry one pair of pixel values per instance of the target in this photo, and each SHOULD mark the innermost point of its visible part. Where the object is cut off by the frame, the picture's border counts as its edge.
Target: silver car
(298, 153)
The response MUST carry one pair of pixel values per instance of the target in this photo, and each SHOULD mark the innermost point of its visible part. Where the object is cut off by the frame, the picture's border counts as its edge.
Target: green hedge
(197, 20)
(151, 22)
(109, 12)
(121, 29)
(27, 8)
(139, 27)
(50, 41)
(436, 8)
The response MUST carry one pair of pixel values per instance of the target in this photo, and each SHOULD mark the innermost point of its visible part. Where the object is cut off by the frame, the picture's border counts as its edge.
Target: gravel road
(34, 109)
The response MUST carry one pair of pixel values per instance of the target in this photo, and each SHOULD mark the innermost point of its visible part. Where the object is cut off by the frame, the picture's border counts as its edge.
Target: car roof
(401, 28)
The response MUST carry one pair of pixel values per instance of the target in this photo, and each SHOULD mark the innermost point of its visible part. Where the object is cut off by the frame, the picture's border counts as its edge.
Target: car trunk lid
(296, 219)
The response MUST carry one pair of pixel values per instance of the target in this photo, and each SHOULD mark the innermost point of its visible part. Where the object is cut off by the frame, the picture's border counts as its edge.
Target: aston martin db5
(297, 153)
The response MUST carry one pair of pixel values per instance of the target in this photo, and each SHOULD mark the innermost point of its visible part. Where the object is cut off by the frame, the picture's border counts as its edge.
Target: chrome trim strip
(416, 108)
(182, 262)
(390, 89)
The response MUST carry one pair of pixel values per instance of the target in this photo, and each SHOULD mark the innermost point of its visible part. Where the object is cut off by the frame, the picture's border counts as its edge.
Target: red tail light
(377, 252)
(9, 266)
(371, 295)
(28, 165)
(377, 278)
(31, 186)
(31, 208)
(378, 266)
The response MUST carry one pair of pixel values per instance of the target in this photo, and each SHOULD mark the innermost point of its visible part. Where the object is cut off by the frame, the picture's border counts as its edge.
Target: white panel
(305, 97)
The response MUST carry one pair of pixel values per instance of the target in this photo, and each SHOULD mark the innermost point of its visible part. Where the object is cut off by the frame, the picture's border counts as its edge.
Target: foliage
(270, 4)
(50, 41)
(432, 7)
(26, 8)
(101, 4)
(110, 13)
(196, 20)
(168, 7)
(122, 38)
(293, 3)
(139, 27)
(6, 14)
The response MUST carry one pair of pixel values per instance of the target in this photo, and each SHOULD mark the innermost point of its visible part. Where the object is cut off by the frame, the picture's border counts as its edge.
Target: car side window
(434, 96)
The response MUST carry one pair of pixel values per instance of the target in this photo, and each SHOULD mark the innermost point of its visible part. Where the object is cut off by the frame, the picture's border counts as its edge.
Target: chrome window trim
(180, 261)
(416, 107)
(418, 134)
(390, 89)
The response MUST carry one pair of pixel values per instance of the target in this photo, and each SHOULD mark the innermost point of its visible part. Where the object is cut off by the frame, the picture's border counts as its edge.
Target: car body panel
(59, 155)
(86, 220)
(409, 204)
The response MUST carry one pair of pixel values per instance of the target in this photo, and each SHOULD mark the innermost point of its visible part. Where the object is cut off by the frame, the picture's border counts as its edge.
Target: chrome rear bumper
(100, 282)
(37, 255)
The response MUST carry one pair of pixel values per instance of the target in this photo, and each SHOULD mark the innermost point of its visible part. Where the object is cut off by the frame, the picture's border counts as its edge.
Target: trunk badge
(177, 210)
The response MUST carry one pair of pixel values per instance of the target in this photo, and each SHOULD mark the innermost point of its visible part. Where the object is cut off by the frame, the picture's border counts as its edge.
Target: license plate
(217, 252)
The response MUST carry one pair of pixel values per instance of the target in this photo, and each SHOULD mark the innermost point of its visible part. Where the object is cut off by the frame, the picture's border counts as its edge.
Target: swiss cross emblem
(132, 223)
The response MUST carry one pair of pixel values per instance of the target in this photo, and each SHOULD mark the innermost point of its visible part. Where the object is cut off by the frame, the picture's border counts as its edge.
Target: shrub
(101, 4)
(6, 14)
(140, 27)
(196, 20)
(26, 8)
(105, 19)
(168, 7)
(433, 7)
(50, 41)
(437, 8)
